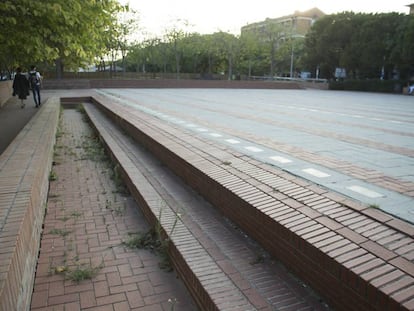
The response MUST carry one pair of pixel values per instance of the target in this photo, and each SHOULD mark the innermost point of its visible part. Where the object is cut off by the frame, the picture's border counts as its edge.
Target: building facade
(411, 6)
(281, 30)
(299, 23)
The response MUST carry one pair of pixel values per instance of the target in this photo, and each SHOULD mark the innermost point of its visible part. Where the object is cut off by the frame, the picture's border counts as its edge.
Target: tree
(227, 47)
(326, 42)
(71, 33)
(174, 36)
(126, 24)
(273, 35)
(402, 52)
(249, 46)
(193, 50)
(367, 45)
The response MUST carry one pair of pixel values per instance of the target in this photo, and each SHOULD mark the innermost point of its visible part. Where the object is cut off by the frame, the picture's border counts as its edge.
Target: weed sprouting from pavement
(52, 175)
(82, 272)
(61, 232)
(154, 240)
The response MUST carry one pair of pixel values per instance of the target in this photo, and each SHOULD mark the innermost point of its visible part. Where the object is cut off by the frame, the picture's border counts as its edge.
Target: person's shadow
(13, 119)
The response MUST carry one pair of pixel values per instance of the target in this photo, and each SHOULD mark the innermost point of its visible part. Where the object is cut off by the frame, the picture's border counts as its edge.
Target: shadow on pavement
(13, 118)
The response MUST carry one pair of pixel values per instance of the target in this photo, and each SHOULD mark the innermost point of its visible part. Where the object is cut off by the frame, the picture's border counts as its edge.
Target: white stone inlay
(364, 191)
(232, 141)
(215, 135)
(200, 129)
(280, 159)
(253, 149)
(316, 173)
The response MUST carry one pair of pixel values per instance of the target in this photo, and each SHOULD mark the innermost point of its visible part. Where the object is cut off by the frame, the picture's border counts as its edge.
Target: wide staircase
(356, 257)
(283, 243)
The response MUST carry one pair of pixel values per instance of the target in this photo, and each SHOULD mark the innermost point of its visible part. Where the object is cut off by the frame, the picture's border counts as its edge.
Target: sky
(210, 16)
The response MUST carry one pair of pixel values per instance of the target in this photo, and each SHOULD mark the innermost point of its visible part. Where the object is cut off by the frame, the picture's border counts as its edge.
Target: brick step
(358, 257)
(222, 268)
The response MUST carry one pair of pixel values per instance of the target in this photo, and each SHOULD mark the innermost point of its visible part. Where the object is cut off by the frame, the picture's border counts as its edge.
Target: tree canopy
(76, 33)
(367, 45)
(72, 32)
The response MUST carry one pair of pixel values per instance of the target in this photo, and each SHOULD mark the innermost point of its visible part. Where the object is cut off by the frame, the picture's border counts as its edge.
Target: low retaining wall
(166, 83)
(24, 184)
(5, 91)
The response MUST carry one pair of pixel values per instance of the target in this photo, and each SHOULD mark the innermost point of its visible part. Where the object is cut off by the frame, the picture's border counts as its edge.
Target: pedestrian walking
(35, 80)
(20, 86)
(410, 89)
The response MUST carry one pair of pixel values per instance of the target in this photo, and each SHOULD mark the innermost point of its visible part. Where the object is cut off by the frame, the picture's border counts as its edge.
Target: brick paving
(236, 272)
(86, 222)
(24, 170)
(333, 242)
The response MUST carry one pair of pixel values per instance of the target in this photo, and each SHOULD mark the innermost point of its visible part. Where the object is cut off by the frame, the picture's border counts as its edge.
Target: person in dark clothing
(35, 79)
(20, 86)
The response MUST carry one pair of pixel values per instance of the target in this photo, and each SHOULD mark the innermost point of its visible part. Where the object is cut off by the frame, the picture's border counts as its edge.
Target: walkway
(87, 221)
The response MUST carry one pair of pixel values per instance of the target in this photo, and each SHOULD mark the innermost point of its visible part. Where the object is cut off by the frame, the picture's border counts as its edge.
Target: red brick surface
(24, 172)
(84, 201)
(233, 189)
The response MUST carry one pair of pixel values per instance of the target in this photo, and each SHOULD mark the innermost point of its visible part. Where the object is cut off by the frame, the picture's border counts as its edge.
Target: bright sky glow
(210, 16)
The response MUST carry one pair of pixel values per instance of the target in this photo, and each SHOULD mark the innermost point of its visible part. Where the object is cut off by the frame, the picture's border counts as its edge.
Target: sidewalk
(13, 119)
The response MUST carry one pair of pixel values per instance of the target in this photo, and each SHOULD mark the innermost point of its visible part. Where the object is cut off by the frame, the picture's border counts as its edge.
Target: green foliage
(62, 232)
(363, 44)
(82, 272)
(52, 175)
(371, 85)
(79, 32)
(73, 31)
(154, 239)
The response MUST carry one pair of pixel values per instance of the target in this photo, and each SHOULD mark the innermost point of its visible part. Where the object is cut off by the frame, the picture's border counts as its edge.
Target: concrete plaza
(358, 144)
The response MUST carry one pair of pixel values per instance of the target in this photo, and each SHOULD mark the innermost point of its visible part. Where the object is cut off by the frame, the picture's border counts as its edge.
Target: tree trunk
(210, 65)
(230, 68)
(59, 68)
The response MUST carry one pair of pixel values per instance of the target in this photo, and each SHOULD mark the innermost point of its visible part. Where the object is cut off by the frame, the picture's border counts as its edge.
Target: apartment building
(411, 6)
(298, 23)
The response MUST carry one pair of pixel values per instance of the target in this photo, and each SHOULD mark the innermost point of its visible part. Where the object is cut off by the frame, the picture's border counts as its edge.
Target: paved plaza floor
(358, 144)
